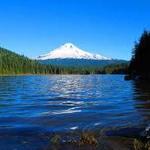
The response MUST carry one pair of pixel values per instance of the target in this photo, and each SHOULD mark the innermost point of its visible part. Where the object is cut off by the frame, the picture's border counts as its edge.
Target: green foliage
(12, 63)
(70, 62)
(116, 68)
(140, 61)
(109, 69)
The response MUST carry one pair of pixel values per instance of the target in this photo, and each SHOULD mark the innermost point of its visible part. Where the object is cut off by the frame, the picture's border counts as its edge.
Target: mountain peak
(68, 45)
(69, 50)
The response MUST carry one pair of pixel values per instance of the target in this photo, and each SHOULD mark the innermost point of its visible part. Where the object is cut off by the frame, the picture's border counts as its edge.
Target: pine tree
(140, 62)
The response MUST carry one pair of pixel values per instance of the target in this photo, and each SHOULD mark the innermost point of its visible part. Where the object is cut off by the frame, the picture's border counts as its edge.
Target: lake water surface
(32, 107)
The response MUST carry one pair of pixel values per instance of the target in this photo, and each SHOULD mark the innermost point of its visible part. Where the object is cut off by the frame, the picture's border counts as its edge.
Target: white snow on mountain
(69, 50)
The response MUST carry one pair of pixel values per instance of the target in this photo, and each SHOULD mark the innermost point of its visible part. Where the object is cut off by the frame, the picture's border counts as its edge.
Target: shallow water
(32, 107)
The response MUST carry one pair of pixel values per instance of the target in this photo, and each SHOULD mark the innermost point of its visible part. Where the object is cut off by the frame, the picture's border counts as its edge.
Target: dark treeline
(12, 63)
(82, 62)
(109, 69)
(140, 63)
(117, 68)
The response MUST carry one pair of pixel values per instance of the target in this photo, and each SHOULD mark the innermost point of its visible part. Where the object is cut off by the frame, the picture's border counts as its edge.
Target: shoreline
(73, 140)
(100, 140)
(1, 75)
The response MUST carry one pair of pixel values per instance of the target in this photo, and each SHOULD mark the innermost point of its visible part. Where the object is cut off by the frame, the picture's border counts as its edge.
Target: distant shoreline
(1, 75)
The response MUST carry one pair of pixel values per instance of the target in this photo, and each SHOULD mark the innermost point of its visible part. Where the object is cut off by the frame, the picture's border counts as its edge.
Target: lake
(34, 107)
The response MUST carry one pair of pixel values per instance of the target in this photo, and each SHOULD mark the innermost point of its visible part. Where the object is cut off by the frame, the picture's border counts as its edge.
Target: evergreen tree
(12, 63)
(140, 61)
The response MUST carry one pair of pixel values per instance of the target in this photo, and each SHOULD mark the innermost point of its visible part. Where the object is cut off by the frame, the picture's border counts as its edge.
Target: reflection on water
(33, 106)
(142, 97)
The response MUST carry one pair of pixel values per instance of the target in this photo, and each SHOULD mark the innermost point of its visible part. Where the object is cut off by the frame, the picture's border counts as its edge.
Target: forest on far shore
(12, 63)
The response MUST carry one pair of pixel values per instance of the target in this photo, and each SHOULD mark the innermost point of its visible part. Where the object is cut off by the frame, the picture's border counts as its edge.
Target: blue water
(31, 107)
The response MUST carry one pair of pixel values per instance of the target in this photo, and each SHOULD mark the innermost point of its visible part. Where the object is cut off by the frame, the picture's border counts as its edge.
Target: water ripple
(59, 102)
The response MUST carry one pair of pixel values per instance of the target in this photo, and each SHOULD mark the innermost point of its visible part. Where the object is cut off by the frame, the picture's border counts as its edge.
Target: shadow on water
(142, 99)
(141, 103)
(142, 93)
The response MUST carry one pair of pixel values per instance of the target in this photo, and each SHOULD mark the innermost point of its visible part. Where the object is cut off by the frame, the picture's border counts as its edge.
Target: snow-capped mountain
(70, 51)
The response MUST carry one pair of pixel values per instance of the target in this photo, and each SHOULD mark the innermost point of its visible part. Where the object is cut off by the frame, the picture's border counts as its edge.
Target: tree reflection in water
(142, 97)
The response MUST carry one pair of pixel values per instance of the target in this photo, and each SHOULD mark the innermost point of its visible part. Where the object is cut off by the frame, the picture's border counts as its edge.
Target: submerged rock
(88, 138)
(56, 139)
(139, 145)
(90, 141)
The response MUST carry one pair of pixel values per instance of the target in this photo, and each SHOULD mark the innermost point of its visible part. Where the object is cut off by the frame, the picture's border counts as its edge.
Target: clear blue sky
(108, 27)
